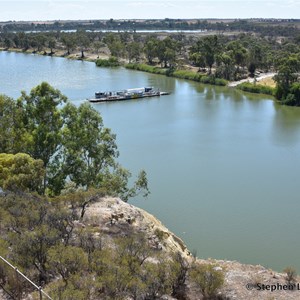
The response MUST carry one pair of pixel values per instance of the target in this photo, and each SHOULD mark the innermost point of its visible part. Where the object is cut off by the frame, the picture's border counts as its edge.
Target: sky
(28, 10)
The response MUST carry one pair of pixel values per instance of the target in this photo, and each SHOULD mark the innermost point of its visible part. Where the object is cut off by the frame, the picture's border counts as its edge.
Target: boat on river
(128, 94)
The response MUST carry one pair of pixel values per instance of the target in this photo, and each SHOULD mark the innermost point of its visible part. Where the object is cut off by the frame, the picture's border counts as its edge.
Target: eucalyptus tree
(151, 49)
(83, 41)
(209, 48)
(13, 133)
(133, 51)
(51, 45)
(20, 172)
(287, 78)
(72, 143)
(68, 40)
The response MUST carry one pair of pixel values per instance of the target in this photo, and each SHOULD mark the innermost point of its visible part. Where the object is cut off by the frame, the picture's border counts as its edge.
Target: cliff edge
(111, 217)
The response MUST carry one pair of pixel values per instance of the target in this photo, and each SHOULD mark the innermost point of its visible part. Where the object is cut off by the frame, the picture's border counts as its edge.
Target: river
(223, 165)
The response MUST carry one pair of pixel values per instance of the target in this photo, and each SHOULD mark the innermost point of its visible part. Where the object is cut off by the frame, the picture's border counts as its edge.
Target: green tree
(13, 137)
(68, 41)
(209, 47)
(88, 147)
(72, 142)
(225, 67)
(31, 248)
(51, 45)
(21, 172)
(82, 41)
(134, 51)
(287, 75)
(150, 49)
(117, 48)
(67, 261)
(43, 121)
(238, 52)
(197, 59)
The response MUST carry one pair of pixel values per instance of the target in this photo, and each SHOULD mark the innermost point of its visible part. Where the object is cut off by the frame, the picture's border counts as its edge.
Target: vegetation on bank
(111, 62)
(147, 68)
(219, 58)
(256, 88)
(183, 74)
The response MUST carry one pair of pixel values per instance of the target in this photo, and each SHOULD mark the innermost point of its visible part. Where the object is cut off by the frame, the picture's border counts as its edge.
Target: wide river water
(223, 166)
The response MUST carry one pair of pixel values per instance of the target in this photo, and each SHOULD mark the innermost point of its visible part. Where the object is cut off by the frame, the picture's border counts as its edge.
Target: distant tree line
(288, 27)
(229, 57)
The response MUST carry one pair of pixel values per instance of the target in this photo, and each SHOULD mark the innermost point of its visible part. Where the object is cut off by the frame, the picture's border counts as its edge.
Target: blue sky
(139, 9)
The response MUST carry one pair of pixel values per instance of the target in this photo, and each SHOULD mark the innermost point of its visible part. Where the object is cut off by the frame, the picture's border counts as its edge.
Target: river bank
(263, 78)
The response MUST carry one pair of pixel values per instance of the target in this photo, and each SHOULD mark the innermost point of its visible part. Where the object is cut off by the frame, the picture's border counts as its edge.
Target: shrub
(146, 68)
(208, 277)
(256, 88)
(111, 62)
(221, 82)
(183, 74)
(291, 274)
(207, 79)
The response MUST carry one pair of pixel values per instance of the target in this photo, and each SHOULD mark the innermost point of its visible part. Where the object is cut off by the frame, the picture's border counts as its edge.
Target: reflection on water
(286, 126)
(222, 164)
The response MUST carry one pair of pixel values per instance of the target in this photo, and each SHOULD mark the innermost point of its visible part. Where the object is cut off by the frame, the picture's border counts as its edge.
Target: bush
(111, 62)
(187, 75)
(221, 82)
(291, 274)
(183, 74)
(146, 68)
(256, 88)
(208, 277)
(207, 79)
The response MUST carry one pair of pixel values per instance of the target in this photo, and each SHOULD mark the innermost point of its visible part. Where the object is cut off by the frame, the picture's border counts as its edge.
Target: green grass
(146, 68)
(111, 62)
(183, 74)
(256, 88)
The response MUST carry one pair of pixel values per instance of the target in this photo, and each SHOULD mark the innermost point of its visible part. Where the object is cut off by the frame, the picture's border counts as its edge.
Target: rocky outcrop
(114, 217)
(111, 217)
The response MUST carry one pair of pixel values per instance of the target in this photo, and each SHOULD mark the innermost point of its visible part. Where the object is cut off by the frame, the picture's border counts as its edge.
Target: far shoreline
(93, 57)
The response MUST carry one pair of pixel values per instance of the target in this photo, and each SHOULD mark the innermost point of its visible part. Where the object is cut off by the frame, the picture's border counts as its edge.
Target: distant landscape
(209, 51)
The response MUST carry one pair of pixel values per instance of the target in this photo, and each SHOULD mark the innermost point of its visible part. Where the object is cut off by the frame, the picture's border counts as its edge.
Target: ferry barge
(128, 94)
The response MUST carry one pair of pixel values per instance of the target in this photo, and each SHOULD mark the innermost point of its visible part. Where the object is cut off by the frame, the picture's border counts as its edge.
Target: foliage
(13, 137)
(219, 57)
(42, 239)
(67, 261)
(208, 47)
(21, 172)
(287, 88)
(111, 62)
(71, 141)
(208, 277)
(42, 120)
(256, 88)
(291, 275)
(146, 68)
(184, 74)
(83, 41)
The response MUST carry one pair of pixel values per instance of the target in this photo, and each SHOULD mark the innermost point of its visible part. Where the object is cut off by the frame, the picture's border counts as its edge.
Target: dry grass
(268, 82)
